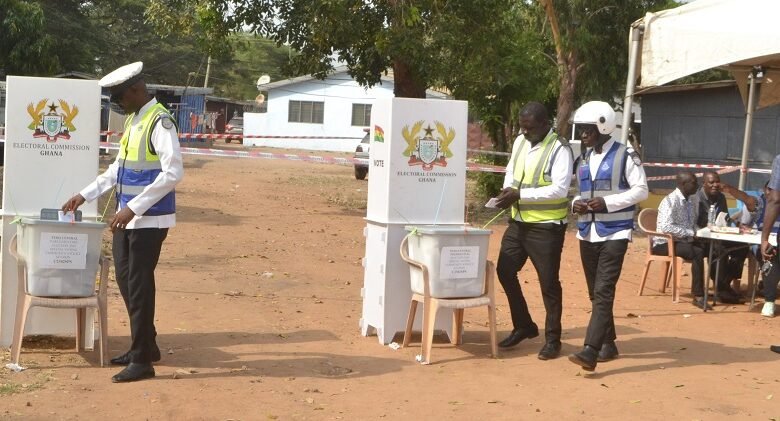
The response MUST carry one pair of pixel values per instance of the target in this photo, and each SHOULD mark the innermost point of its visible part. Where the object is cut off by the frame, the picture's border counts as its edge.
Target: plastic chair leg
(81, 321)
(457, 326)
(492, 323)
(102, 320)
(429, 322)
(644, 277)
(22, 308)
(677, 274)
(409, 323)
(669, 271)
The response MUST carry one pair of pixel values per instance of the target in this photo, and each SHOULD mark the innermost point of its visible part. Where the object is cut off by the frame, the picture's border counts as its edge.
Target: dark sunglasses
(581, 129)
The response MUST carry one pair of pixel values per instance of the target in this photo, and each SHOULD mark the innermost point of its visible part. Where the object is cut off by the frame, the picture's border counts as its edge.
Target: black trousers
(542, 243)
(731, 264)
(602, 263)
(693, 251)
(136, 252)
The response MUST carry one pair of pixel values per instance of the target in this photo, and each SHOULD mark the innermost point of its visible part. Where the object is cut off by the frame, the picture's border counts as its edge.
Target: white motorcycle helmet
(596, 112)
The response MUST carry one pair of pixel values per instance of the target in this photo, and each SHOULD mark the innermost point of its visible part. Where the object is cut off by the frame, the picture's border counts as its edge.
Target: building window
(361, 114)
(306, 112)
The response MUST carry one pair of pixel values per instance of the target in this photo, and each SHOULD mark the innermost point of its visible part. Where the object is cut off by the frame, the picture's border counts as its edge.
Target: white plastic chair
(25, 301)
(431, 305)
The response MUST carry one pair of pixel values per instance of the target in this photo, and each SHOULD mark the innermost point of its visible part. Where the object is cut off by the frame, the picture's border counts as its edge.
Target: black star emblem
(428, 131)
(52, 108)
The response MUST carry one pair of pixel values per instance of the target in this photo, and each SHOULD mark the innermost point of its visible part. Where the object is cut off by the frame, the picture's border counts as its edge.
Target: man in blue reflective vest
(611, 183)
(145, 173)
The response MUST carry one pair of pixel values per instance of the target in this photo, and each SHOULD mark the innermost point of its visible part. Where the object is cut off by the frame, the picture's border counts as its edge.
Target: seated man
(676, 216)
(731, 268)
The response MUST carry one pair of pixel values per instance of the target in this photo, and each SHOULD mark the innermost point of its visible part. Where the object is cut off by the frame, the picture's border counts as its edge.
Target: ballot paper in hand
(492, 203)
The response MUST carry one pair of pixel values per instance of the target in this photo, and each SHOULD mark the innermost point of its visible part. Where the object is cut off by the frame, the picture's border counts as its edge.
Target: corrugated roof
(686, 87)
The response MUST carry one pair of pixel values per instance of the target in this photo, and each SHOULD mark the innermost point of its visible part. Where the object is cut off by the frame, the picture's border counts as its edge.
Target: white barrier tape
(293, 157)
(484, 152)
(238, 136)
(675, 165)
(723, 170)
(760, 170)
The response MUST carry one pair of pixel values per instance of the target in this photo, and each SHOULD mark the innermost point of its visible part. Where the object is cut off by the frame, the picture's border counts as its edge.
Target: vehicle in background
(235, 127)
(361, 152)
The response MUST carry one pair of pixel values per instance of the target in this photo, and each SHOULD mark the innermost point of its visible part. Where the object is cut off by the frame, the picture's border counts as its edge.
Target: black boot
(586, 358)
(134, 372)
(518, 335)
(608, 352)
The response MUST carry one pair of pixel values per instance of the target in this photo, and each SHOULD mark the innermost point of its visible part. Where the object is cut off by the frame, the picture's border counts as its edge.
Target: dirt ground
(258, 303)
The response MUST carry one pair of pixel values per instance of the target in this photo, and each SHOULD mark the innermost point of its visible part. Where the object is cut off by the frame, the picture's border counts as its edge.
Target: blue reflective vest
(610, 179)
(140, 163)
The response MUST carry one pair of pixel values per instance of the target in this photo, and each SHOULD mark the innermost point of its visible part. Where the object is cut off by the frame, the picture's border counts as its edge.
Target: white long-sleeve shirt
(677, 216)
(166, 144)
(637, 192)
(560, 173)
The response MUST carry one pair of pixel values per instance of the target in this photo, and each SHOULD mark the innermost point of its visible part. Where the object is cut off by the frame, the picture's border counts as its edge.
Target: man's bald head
(687, 183)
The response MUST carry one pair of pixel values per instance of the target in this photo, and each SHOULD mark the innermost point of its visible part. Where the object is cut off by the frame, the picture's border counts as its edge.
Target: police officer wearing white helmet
(145, 173)
(611, 182)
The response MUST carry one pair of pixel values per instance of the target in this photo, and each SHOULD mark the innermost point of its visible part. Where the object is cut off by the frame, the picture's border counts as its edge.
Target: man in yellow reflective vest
(536, 186)
(145, 172)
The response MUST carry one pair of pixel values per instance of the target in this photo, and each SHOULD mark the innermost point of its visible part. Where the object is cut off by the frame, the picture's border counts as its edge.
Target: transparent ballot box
(455, 256)
(61, 258)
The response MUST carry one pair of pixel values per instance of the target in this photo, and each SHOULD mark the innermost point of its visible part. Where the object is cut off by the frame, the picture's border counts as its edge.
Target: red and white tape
(293, 157)
(722, 170)
(238, 136)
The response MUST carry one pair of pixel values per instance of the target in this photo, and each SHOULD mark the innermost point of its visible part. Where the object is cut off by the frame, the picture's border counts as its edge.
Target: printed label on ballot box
(63, 250)
(459, 262)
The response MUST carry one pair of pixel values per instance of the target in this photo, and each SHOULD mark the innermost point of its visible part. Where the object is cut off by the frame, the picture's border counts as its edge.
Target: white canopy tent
(739, 35)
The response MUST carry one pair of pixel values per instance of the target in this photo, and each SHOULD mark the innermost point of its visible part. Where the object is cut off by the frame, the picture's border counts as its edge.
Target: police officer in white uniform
(144, 175)
(611, 183)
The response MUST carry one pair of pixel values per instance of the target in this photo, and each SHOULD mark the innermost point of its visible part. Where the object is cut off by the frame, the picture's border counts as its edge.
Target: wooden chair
(25, 301)
(672, 263)
(431, 305)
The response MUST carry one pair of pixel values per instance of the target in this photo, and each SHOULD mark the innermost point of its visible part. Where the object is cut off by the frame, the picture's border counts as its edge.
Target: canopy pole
(633, 61)
(751, 107)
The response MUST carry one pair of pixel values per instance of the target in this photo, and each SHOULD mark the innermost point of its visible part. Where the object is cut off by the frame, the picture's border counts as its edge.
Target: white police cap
(123, 77)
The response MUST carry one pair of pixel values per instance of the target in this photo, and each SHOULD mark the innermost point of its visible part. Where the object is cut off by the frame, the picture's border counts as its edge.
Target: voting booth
(417, 175)
(51, 153)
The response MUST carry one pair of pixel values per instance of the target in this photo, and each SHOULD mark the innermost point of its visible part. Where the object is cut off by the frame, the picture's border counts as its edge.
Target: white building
(317, 114)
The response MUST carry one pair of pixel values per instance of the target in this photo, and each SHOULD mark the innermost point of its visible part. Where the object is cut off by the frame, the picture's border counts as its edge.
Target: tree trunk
(568, 67)
(407, 84)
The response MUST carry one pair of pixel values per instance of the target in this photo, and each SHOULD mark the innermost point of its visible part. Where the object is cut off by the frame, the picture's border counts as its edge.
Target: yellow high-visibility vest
(537, 173)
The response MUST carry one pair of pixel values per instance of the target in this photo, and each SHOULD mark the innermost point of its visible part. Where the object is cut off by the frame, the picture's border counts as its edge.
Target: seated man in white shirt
(677, 216)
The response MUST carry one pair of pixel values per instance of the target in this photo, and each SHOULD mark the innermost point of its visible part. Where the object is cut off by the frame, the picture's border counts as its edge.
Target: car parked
(235, 127)
(361, 152)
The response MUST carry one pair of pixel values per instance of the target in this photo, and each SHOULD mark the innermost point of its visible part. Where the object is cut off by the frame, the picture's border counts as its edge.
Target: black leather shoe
(775, 348)
(586, 358)
(699, 302)
(608, 352)
(518, 335)
(729, 297)
(124, 359)
(134, 372)
(550, 351)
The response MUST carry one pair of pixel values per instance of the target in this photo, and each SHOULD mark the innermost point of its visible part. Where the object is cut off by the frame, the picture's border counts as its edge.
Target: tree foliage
(25, 47)
(413, 38)
(589, 42)
(251, 57)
